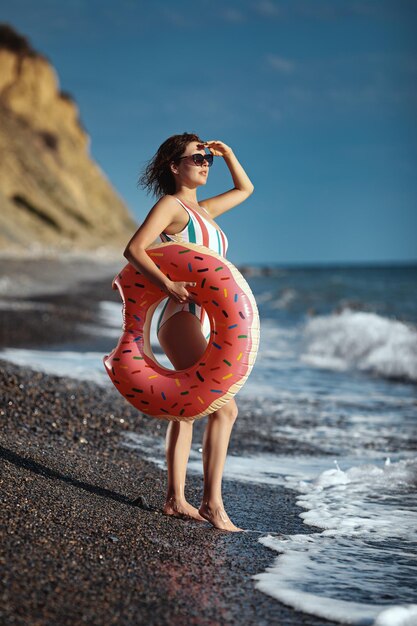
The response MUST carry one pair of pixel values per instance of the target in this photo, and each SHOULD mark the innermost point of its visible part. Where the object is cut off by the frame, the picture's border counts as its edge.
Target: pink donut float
(191, 393)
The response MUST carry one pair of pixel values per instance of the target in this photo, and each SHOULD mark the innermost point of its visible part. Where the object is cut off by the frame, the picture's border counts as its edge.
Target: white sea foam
(319, 482)
(331, 567)
(111, 324)
(368, 516)
(72, 363)
(287, 296)
(264, 296)
(362, 340)
(109, 321)
(398, 616)
(78, 365)
(111, 314)
(339, 501)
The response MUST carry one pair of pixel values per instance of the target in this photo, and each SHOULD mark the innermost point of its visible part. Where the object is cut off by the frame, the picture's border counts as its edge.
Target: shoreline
(44, 303)
(83, 531)
(84, 536)
(33, 277)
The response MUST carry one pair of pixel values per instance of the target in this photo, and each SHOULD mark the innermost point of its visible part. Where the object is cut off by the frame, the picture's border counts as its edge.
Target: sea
(333, 398)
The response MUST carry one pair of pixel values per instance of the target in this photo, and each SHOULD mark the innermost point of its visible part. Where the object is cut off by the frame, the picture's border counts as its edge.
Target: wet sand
(83, 536)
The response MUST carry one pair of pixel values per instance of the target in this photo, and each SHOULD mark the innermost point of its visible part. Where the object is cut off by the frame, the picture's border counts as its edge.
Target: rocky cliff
(52, 194)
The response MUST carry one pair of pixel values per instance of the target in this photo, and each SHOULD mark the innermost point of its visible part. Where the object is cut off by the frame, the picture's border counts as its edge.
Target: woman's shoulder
(166, 203)
(166, 211)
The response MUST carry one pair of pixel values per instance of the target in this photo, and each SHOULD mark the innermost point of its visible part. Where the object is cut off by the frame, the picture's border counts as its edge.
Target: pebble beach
(83, 536)
(321, 467)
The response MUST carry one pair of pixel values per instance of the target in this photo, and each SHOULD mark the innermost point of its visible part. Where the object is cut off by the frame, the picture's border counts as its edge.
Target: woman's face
(188, 173)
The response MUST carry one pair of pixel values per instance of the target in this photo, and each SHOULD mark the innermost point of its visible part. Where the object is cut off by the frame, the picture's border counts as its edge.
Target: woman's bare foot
(217, 516)
(182, 508)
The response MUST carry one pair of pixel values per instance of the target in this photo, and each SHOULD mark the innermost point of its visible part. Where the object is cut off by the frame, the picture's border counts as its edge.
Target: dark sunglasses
(199, 158)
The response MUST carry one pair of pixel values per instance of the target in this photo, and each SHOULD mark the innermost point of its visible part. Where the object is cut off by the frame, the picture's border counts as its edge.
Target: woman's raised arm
(243, 187)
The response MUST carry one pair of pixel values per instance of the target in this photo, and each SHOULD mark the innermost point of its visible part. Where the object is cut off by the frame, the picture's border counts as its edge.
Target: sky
(317, 98)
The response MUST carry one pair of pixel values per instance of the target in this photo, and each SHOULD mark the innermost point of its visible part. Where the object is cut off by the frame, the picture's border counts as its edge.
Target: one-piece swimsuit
(201, 231)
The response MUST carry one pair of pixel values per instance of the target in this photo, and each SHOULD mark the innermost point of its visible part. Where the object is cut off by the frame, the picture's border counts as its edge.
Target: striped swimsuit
(200, 231)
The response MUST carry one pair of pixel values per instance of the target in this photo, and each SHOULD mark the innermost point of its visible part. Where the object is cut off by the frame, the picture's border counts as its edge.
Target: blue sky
(318, 99)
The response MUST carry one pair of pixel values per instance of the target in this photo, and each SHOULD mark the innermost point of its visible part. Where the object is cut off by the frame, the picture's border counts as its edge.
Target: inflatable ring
(191, 393)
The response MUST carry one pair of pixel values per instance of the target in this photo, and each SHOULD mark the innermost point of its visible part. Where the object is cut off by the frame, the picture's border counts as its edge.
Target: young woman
(179, 167)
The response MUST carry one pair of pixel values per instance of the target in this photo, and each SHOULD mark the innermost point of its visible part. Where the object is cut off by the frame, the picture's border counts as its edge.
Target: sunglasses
(199, 158)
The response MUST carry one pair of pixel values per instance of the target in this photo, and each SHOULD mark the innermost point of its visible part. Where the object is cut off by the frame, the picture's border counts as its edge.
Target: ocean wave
(362, 340)
(358, 500)
(315, 574)
(358, 570)
(69, 363)
(286, 297)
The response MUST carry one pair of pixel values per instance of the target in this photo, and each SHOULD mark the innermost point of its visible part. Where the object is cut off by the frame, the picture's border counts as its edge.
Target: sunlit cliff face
(51, 191)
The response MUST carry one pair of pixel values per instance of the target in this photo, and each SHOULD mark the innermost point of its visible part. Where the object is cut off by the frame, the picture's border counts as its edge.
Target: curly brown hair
(157, 177)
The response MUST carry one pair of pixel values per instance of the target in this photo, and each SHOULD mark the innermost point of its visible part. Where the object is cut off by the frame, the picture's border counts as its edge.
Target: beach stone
(142, 503)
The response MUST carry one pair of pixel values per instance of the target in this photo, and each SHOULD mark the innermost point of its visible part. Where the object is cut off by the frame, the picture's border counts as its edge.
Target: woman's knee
(228, 412)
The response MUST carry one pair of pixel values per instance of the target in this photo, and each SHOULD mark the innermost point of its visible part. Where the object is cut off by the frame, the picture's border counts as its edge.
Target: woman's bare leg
(215, 444)
(184, 344)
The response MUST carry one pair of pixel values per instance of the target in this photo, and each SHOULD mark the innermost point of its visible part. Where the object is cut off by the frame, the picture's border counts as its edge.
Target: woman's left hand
(218, 148)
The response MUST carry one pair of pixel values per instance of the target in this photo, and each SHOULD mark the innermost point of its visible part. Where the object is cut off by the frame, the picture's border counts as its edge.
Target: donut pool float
(191, 393)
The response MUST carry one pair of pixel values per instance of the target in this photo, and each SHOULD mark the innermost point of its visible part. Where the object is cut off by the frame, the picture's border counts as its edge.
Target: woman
(179, 167)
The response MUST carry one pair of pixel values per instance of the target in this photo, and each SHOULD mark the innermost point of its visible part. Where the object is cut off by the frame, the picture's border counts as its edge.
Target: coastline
(47, 302)
(82, 523)
(84, 537)
(83, 533)
(30, 275)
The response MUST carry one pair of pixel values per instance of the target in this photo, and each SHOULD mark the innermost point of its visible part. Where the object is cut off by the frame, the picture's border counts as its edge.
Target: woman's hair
(157, 177)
